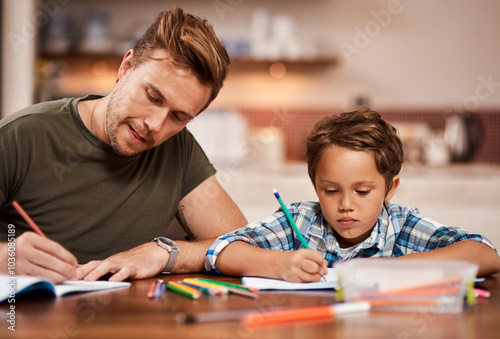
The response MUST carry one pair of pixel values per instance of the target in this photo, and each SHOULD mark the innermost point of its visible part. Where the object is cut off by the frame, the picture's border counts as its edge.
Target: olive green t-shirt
(79, 192)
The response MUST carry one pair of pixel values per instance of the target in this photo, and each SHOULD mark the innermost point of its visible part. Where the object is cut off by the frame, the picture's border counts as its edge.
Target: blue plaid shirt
(400, 230)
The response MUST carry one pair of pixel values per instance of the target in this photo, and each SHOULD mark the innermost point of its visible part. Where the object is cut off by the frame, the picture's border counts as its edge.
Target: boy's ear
(395, 184)
(126, 64)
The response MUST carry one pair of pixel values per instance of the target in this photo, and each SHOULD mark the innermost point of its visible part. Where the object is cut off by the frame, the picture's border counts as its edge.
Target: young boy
(353, 161)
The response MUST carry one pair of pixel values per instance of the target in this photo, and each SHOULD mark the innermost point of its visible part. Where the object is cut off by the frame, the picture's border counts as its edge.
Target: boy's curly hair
(361, 129)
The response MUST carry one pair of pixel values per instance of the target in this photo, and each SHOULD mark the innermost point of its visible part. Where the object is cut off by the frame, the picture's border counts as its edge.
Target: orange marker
(308, 313)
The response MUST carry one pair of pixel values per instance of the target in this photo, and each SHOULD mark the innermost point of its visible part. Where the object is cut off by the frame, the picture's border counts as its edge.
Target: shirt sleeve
(15, 151)
(273, 233)
(420, 234)
(196, 166)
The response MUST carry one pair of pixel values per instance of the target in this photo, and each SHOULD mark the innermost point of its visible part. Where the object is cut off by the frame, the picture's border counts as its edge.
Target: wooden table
(128, 313)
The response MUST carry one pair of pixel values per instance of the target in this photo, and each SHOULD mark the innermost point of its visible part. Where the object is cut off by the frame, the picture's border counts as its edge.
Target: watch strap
(171, 247)
(172, 259)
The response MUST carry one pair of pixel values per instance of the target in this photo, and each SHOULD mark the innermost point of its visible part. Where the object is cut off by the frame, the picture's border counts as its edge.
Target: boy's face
(351, 193)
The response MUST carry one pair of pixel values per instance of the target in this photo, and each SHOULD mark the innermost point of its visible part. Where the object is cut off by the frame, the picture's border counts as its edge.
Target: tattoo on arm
(182, 220)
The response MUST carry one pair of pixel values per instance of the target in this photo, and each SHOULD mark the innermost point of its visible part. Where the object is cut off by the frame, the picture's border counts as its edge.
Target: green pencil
(290, 219)
(292, 222)
(223, 283)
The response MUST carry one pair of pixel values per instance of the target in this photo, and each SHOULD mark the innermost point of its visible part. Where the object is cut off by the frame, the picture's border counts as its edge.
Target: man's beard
(112, 124)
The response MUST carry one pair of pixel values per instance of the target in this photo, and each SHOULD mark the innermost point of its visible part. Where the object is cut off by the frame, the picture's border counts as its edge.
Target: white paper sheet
(274, 284)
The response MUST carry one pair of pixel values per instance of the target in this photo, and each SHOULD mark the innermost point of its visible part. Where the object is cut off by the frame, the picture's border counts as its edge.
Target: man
(104, 176)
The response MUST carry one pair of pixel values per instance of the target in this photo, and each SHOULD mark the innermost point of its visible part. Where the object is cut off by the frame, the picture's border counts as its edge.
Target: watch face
(167, 243)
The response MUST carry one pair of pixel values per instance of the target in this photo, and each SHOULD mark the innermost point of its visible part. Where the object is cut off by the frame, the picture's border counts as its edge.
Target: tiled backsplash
(297, 122)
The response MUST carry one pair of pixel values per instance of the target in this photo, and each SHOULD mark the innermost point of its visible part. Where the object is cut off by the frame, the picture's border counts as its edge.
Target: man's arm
(38, 256)
(206, 212)
(467, 250)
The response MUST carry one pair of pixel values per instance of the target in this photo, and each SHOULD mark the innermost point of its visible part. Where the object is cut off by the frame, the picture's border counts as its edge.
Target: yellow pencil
(221, 288)
(200, 285)
(184, 290)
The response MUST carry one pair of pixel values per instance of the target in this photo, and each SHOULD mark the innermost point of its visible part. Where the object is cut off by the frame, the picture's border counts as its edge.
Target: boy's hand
(303, 265)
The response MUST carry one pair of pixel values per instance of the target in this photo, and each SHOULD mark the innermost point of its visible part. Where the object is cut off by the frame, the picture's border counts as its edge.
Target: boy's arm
(242, 259)
(468, 250)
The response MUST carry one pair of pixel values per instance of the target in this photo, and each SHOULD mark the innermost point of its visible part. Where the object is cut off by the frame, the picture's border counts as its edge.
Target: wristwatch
(171, 248)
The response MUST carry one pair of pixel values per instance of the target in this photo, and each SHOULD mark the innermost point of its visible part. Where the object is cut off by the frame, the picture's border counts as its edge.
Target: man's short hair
(191, 43)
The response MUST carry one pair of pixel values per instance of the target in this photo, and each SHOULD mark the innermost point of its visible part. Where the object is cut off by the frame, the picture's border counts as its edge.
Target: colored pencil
(152, 289)
(243, 293)
(292, 222)
(26, 217)
(222, 289)
(158, 292)
(412, 292)
(299, 314)
(479, 292)
(290, 219)
(203, 289)
(249, 288)
(184, 290)
(399, 301)
(212, 316)
(201, 284)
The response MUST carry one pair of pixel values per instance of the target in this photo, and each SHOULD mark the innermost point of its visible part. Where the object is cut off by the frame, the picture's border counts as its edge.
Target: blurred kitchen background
(430, 67)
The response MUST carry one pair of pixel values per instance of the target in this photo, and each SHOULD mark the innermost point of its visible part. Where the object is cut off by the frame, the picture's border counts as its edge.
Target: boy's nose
(345, 203)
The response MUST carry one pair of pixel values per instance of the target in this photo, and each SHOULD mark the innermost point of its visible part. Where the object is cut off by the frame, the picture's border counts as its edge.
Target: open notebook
(34, 287)
(274, 284)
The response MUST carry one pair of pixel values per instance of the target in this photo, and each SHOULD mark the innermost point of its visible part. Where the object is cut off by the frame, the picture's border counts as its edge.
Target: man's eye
(179, 116)
(152, 98)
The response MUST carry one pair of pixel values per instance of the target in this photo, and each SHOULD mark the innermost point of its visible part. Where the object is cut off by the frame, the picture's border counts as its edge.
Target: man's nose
(156, 120)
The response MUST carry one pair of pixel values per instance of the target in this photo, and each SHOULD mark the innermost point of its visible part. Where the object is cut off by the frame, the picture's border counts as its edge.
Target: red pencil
(28, 219)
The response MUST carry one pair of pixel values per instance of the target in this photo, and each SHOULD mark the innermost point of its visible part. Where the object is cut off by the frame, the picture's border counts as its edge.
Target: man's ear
(126, 64)
(394, 187)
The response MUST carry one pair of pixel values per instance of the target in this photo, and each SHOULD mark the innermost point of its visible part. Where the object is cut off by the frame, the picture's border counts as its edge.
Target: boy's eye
(363, 192)
(331, 191)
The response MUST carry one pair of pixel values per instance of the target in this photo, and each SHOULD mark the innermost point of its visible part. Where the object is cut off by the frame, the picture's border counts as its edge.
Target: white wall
(19, 31)
(427, 53)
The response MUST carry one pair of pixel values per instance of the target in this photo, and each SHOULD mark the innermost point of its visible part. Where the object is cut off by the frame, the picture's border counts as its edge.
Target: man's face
(351, 193)
(151, 102)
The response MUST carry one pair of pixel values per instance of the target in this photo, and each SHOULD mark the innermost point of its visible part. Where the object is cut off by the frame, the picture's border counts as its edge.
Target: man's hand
(140, 262)
(39, 256)
(303, 265)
